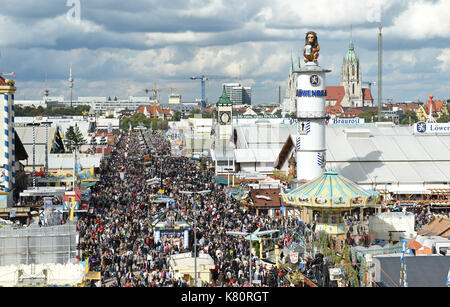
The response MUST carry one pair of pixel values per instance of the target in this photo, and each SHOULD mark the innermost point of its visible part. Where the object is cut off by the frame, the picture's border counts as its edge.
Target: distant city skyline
(119, 48)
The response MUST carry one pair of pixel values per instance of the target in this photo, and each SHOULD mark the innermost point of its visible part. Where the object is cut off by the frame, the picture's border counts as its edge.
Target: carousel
(332, 195)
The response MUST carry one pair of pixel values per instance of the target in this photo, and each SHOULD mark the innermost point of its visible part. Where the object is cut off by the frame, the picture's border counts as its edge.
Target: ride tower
(311, 114)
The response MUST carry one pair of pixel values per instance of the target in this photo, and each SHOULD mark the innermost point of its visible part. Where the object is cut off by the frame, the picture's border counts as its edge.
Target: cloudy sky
(118, 48)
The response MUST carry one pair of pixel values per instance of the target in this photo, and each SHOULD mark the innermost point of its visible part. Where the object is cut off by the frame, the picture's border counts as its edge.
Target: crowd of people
(119, 241)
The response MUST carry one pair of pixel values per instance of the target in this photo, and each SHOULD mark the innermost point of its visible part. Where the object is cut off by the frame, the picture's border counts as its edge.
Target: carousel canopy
(330, 191)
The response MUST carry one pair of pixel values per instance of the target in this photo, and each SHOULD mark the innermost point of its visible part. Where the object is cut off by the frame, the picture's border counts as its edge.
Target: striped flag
(298, 143)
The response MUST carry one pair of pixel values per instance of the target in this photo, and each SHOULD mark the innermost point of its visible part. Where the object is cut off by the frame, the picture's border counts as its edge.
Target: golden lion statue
(312, 48)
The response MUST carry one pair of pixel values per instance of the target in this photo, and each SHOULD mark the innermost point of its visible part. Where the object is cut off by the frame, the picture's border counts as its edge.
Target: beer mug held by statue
(312, 48)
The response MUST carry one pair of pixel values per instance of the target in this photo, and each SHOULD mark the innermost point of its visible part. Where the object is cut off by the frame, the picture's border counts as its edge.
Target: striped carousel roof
(330, 191)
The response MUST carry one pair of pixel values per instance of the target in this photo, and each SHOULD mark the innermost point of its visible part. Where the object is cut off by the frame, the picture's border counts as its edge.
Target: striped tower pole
(7, 90)
(13, 143)
(7, 153)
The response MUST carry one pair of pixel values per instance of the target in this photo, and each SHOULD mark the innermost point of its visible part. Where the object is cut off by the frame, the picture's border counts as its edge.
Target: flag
(58, 145)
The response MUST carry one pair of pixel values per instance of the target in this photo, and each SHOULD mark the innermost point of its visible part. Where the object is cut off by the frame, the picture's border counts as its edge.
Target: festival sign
(347, 121)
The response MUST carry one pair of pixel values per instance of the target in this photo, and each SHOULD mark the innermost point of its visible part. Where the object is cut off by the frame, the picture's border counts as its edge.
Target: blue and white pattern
(9, 142)
(6, 145)
(308, 127)
(320, 159)
(13, 142)
(298, 143)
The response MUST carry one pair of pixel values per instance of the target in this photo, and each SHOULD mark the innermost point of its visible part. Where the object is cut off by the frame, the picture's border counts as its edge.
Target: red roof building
(351, 113)
(439, 108)
(335, 94)
(151, 111)
(367, 94)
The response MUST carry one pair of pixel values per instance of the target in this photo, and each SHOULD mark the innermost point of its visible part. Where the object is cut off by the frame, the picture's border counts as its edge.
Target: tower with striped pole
(311, 113)
(7, 143)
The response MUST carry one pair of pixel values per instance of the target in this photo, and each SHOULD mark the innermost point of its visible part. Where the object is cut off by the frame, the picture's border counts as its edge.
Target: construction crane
(203, 79)
(156, 91)
(370, 85)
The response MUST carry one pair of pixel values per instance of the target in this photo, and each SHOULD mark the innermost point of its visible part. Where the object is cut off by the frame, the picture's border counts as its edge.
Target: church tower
(351, 79)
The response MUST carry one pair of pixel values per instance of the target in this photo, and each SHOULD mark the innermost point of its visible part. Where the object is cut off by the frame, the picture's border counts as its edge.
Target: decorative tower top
(351, 54)
(224, 99)
(312, 48)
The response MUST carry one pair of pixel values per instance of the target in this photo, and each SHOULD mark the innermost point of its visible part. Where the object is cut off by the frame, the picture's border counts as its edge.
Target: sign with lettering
(311, 93)
(347, 121)
(431, 128)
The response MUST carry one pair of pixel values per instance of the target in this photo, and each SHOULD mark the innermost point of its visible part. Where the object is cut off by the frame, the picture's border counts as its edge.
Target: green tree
(412, 115)
(176, 116)
(444, 119)
(74, 138)
(369, 116)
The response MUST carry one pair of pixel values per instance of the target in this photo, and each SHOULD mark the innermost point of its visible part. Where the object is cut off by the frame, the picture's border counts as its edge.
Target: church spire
(351, 55)
(352, 45)
(291, 70)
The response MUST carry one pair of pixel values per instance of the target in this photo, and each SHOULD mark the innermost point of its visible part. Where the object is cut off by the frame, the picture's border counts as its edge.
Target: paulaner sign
(311, 93)
(432, 128)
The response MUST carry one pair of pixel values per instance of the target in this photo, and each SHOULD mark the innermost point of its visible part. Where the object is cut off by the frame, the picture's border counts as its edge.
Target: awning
(93, 275)
(408, 189)
(88, 184)
(222, 180)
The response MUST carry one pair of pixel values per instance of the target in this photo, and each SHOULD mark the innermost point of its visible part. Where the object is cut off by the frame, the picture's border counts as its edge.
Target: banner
(431, 128)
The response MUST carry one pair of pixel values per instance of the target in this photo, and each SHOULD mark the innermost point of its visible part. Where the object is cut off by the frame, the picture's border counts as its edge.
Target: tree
(74, 138)
(443, 119)
(412, 115)
(369, 116)
(176, 116)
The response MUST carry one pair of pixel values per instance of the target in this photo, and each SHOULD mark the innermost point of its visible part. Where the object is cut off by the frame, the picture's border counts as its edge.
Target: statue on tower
(312, 48)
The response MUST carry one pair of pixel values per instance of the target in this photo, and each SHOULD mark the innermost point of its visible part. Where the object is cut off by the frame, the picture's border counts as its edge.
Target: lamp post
(47, 125)
(34, 151)
(251, 237)
(195, 230)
